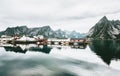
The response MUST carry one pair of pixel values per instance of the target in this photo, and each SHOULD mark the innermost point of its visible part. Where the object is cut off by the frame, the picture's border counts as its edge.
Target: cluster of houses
(41, 40)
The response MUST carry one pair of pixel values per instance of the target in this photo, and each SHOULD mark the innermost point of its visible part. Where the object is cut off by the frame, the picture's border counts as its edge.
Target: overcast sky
(79, 15)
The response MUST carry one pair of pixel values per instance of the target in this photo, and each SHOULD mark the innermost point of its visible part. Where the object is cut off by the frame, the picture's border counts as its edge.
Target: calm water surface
(99, 58)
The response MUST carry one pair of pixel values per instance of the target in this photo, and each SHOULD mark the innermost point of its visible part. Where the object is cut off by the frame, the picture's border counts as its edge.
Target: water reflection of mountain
(19, 49)
(107, 49)
(80, 46)
(44, 49)
(15, 49)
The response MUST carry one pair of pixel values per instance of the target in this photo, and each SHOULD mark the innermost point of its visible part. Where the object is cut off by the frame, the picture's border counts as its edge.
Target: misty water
(99, 58)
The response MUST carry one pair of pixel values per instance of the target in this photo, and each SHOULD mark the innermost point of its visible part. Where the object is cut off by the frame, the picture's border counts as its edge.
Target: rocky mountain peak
(105, 29)
(104, 19)
(47, 27)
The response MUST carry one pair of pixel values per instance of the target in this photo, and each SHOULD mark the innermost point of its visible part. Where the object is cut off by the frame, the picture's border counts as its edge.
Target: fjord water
(99, 58)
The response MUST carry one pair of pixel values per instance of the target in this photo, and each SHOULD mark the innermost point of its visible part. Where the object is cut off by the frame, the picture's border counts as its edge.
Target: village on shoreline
(40, 40)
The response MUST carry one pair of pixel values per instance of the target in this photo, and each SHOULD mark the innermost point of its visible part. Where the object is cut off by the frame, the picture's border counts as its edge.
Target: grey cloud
(54, 11)
(90, 15)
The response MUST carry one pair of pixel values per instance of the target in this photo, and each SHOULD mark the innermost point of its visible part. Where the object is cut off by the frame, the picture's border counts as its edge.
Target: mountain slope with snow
(46, 31)
(105, 29)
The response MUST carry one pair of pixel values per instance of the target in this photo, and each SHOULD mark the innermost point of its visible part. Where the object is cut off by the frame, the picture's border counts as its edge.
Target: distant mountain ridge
(46, 31)
(105, 29)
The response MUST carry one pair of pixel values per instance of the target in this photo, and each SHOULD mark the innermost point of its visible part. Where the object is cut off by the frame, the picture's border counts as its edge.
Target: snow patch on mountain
(46, 31)
(105, 29)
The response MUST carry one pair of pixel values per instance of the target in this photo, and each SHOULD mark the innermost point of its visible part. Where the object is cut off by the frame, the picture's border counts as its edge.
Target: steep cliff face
(105, 29)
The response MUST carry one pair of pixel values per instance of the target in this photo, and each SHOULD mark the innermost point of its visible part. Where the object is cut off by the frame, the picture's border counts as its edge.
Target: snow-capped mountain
(46, 31)
(105, 29)
(69, 34)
